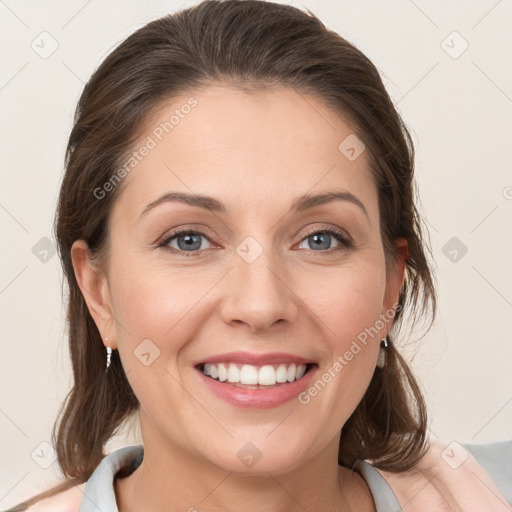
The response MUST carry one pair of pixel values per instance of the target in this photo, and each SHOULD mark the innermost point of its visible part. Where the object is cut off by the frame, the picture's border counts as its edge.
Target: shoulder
(67, 501)
(454, 477)
(496, 459)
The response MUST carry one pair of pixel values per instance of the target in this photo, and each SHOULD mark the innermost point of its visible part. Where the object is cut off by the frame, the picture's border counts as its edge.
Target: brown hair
(248, 44)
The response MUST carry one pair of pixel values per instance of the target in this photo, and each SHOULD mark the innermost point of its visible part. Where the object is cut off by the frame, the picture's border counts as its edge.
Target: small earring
(381, 360)
(109, 355)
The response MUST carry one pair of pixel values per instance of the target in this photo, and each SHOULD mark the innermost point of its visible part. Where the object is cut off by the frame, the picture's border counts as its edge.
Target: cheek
(348, 300)
(165, 305)
(350, 309)
(155, 313)
(348, 303)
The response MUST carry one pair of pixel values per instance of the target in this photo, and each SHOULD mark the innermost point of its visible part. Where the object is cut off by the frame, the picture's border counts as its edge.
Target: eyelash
(344, 241)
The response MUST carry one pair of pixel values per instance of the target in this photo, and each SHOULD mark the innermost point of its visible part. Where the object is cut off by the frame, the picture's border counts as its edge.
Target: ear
(394, 279)
(94, 287)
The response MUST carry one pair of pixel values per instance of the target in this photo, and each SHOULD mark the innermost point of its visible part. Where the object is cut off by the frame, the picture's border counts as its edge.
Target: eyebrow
(301, 204)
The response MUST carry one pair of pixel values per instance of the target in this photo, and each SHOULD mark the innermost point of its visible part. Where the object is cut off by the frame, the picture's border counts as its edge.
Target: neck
(170, 478)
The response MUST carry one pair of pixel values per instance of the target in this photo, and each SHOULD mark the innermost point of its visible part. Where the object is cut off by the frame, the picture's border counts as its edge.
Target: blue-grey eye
(186, 241)
(321, 240)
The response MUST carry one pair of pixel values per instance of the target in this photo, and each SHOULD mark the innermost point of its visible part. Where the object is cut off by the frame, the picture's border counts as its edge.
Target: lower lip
(259, 398)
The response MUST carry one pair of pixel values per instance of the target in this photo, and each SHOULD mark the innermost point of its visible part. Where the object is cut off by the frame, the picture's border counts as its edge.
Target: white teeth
(233, 373)
(248, 374)
(292, 372)
(266, 375)
(282, 373)
(223, 373)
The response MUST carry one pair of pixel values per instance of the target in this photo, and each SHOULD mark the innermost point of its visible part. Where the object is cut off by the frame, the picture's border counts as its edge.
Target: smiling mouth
(255, 377)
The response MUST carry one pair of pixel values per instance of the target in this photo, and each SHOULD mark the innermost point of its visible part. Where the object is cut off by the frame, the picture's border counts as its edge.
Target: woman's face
(252, 278)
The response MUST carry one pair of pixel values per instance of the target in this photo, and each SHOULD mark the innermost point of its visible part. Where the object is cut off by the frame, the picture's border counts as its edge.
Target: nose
(259, 295)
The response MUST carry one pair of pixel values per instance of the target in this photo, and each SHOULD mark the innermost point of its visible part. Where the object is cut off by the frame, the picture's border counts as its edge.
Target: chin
(257, 459)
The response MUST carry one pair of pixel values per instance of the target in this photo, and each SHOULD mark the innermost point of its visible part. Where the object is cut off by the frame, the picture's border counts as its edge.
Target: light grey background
(458, 107)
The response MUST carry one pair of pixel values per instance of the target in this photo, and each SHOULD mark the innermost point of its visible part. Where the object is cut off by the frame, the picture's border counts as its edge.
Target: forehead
(253, 149)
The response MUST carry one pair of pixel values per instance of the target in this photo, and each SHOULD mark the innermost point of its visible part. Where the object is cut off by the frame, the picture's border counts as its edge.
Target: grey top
(99, 496)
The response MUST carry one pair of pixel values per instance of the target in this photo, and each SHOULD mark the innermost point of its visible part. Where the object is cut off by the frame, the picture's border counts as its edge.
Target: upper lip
(255, 359)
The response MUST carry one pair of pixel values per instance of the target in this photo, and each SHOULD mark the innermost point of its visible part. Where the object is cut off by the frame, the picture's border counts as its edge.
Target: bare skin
(257, 153)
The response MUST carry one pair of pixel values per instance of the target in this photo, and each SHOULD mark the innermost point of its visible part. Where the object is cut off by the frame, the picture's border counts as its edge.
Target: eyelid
(179, 231)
